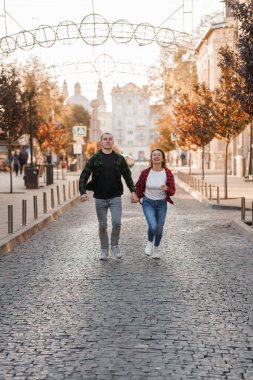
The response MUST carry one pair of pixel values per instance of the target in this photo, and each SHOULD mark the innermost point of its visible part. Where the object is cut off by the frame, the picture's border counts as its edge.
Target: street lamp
(30, 128)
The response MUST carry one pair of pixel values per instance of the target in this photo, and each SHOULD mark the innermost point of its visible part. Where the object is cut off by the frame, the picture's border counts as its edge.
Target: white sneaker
(104, 254)
(156, 254)
(149, 248)
(116, 252)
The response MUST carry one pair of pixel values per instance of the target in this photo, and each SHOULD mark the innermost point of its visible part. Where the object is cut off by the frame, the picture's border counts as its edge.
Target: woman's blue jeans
(155, 212)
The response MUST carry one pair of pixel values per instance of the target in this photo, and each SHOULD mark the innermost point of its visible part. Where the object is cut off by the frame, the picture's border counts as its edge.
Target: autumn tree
(195, 117)
(231, 119)
(12, 110)
(74, 114)
(175, 73)
(165, 126)
(51, 136)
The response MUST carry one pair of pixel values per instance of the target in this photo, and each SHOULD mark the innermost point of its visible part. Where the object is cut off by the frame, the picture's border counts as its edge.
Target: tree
(12, 110)
(231, 119)
(176, 73)
(165, 126)
(75, 115)
(53, 137)
(195, 118)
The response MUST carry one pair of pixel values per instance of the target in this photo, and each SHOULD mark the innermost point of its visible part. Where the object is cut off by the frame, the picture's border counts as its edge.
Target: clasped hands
(134, 198)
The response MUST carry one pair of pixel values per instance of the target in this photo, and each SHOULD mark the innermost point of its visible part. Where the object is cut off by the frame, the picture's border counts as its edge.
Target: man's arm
(126, 173)
(85, 176)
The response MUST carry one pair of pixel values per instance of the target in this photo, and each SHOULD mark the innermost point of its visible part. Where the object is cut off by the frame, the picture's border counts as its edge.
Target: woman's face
(157, 157)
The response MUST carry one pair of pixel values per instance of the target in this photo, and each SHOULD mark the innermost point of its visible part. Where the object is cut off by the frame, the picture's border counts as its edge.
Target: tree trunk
(226, 173)
(203, 163)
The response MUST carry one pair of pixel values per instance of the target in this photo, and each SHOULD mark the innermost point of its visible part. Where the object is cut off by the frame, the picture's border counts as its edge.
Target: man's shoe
(156, 254)
(149, 248)
(104, 254)
(116, 252)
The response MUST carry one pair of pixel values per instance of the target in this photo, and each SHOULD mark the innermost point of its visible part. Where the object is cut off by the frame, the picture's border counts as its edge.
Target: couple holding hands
(153, 190)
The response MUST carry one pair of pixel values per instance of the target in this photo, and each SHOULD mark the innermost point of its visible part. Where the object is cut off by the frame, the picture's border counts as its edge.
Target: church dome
(78, 98)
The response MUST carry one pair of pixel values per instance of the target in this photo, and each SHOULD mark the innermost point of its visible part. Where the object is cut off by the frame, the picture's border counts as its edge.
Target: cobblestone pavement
(66, 315)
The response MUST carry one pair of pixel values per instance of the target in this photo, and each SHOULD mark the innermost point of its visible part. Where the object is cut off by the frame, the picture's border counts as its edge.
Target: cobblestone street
(67, 315)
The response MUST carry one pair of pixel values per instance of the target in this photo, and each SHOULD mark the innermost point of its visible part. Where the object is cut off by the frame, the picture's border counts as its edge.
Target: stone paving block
(67, 315)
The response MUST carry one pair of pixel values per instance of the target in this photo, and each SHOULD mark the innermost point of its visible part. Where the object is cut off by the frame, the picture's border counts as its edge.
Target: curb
(195, 194)
(243, 228)
(8, 244)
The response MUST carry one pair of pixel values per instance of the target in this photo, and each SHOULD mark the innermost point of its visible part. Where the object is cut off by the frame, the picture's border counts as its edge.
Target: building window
(130, 132)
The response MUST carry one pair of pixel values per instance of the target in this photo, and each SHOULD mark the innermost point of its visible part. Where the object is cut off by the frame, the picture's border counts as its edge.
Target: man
(107, 167)
(23, 157)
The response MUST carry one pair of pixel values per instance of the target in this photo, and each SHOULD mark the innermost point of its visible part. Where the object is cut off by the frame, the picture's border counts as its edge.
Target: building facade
(131, 125)
(218, 35)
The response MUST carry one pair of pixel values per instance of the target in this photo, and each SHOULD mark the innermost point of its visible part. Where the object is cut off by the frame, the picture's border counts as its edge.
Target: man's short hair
(106, 133)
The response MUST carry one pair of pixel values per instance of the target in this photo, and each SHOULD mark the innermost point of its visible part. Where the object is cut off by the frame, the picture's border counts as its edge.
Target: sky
(113, 63)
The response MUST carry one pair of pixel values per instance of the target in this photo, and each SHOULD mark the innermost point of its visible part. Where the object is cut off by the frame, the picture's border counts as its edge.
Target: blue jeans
(102, 207)
(155, 212)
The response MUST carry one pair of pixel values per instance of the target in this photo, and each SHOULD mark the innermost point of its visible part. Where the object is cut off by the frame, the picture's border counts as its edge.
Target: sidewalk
(237, 188)
(56, 203)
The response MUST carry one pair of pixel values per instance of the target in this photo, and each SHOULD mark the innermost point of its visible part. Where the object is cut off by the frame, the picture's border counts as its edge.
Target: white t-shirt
(154, 181)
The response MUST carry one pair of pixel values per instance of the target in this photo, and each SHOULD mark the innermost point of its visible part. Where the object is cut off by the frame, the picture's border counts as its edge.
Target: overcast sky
(29, 14)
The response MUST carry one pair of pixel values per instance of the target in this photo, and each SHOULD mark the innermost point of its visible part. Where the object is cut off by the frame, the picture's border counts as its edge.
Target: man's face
(107, 141)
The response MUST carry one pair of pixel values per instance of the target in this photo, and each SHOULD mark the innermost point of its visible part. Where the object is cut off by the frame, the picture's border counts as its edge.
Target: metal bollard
(218, 195)
(206, 193)
(64, 193)
(52, 198)
(35, 207)
(10, 219)
(74, 189)
(243, 209)
(58, 195)
(69, 190)
(24, 212)
(44, 202)
(210, 192)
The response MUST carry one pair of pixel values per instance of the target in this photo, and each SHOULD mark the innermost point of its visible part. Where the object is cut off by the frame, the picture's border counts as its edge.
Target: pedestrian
(106, 167)
(155, 185)
(15, 159)
(23, 157)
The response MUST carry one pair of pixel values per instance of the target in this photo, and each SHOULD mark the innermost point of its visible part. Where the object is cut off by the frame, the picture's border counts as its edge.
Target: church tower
(100, 97)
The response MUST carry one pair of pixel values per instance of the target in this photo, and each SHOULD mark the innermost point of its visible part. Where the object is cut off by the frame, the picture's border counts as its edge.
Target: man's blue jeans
(155, 212)
(102, 206)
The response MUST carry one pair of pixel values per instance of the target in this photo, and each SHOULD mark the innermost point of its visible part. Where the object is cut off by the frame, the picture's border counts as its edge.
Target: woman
(155, 185)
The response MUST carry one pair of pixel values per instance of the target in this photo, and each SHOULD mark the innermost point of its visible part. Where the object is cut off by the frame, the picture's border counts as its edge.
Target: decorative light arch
(94, 30)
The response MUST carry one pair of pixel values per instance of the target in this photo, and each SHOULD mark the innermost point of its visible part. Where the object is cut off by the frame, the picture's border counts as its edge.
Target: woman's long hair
(163, 155)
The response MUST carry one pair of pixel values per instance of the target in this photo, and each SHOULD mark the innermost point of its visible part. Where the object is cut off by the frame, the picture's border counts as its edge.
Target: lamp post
(30, 128)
